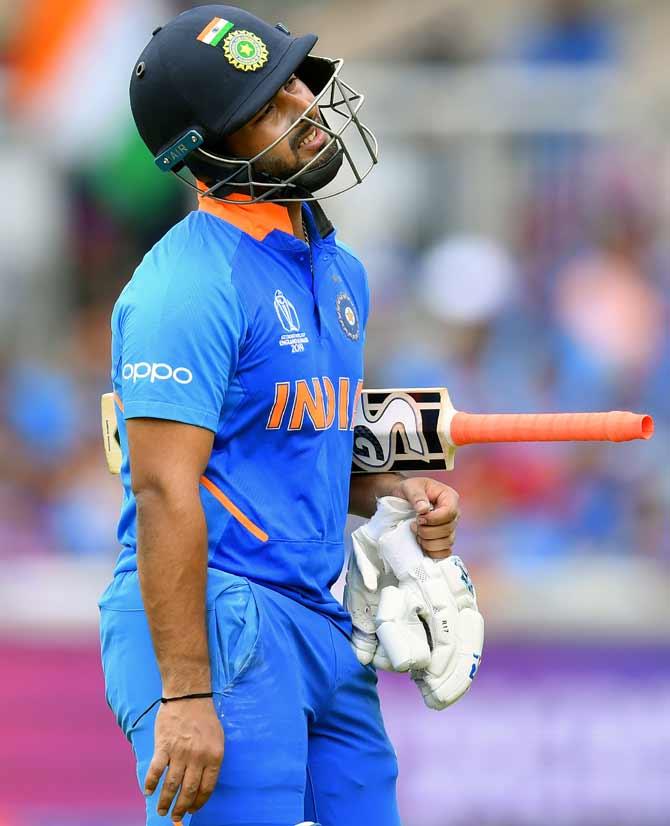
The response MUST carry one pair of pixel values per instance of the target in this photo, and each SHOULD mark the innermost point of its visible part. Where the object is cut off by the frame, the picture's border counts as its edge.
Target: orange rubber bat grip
(615, 426)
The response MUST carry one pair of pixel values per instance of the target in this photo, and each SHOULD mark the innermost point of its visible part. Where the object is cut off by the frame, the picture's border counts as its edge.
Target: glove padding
(424, 611)
(367, 577)
(429, 623)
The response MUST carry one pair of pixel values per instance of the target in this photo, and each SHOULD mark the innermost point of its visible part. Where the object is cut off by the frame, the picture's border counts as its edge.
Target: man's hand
(188, 741)
(436, 505)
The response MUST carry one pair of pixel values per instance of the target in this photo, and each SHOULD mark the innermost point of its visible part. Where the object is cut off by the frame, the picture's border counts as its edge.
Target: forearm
(172, 566)
(366, 488)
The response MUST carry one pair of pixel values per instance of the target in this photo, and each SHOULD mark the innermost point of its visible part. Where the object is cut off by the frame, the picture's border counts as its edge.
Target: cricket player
(237, 357)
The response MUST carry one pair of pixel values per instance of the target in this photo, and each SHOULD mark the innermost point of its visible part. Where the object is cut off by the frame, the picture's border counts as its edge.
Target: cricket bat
(420, 430)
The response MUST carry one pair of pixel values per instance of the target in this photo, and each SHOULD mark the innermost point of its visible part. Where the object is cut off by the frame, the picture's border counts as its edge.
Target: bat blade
(403, 430)
(110, 433)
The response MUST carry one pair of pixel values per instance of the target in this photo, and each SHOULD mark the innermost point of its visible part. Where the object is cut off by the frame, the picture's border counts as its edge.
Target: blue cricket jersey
(224, 326)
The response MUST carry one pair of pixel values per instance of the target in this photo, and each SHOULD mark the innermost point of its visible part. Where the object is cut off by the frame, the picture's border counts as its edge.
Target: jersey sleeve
(179, 340)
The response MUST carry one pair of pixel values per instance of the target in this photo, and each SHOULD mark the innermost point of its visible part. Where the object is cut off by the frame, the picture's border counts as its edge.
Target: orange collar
(257, 220)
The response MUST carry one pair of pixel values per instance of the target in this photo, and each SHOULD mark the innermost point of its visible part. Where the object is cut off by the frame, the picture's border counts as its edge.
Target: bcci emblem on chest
(288, 318)
(346, 315)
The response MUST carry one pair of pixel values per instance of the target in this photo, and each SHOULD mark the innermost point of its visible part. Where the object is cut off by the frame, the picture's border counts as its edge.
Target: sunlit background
(516, 237)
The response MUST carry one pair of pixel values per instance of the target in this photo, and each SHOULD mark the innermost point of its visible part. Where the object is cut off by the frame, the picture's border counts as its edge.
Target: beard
(283, 169)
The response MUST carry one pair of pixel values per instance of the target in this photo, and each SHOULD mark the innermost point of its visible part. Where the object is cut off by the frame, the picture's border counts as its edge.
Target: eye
(290, 83)
(267, 111)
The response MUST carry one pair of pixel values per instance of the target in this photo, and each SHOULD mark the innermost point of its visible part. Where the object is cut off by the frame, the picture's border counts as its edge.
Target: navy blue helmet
(208, 71)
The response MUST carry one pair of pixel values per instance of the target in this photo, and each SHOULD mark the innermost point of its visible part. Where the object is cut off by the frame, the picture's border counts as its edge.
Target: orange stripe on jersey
(357, 398)
(343, 417)
(118, 401)
(257, 220)
(304, 402)
(330, 401)
(282, 391)
(233, 510)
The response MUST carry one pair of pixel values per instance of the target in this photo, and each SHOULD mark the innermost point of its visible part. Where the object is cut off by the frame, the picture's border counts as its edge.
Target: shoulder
(353, 266)
(349, 260)
(198, 245)
(193, 260)
(352, 271)
(345, 251)
(196, 251)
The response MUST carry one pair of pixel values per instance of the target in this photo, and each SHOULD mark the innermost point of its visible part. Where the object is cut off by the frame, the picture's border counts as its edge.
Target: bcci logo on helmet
(286, 313)
(245, 50)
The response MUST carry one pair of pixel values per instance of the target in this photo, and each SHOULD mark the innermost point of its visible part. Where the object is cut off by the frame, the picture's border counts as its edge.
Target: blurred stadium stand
(516, 236)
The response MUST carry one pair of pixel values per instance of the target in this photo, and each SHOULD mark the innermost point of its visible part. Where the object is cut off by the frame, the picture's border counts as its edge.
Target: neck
(295, 214)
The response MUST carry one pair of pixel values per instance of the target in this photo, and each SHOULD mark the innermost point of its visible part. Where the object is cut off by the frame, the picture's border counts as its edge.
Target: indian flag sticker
(215, 31)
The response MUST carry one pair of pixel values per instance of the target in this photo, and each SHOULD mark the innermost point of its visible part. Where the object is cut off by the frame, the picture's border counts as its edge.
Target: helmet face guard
(239, 176)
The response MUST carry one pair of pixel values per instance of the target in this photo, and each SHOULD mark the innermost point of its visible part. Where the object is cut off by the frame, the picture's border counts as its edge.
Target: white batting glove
(429, 622)
(367, 576)
(456, 657)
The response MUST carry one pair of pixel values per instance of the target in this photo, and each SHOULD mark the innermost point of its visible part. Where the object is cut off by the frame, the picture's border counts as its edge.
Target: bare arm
(366, 488)
(167, 460)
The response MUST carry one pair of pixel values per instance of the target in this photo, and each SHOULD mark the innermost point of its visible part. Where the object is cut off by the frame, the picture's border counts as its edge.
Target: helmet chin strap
(307, 182)
(310, 182)
(317, 177)
(304, 185)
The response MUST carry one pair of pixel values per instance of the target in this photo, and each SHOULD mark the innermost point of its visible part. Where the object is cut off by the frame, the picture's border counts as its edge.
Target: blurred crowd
(569, 311)
(582, 326)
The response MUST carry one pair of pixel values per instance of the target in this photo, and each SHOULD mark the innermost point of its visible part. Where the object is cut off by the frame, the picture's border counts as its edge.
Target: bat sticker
(377, 428)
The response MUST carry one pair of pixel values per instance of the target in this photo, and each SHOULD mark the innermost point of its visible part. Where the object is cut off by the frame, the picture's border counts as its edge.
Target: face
(298, 147)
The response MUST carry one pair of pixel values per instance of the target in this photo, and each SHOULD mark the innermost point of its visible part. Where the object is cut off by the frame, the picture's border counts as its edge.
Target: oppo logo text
(157, 371)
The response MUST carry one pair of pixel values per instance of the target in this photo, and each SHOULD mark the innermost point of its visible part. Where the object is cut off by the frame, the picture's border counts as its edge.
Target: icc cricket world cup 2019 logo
(286, 313)
(288, 318)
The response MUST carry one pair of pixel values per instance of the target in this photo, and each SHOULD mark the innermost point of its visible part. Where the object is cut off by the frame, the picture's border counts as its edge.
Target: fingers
(434, 502)
(194, 784)
(171, 784)
(190, 744)
(436, 531)
(207, 785)
(437, 548)
(445, 505)
(439, 516)
(155, 772)
(414, 491)
(443, 543)
(436, 541)
(189, 792)
(438, 554)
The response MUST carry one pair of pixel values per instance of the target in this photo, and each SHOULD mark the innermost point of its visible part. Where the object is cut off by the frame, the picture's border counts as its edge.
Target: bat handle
(614, 426)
